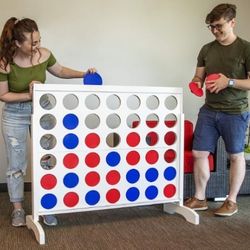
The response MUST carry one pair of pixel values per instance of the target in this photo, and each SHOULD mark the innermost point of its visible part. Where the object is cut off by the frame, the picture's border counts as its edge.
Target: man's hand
(215, 86)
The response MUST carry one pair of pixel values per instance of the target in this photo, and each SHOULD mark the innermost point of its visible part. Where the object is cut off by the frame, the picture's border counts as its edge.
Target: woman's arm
(6, 96)
(67, 73)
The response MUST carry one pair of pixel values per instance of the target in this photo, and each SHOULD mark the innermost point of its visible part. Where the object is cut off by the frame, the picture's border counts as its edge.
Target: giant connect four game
(103, 147)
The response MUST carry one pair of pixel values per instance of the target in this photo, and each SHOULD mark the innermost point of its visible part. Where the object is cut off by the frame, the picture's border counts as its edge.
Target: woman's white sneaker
(18, 218)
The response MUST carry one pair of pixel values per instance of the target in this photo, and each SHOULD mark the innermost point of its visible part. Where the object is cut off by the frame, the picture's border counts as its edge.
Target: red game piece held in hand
(211, 77)
(194, 88)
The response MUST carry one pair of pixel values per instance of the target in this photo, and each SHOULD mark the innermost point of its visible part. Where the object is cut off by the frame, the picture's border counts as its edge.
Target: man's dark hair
(224, 10)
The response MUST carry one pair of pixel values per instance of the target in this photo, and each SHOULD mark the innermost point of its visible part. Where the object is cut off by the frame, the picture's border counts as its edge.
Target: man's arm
(242, 84)
(199, 76)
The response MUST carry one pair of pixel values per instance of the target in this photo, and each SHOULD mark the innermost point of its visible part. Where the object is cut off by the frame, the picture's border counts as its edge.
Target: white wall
(139, 42)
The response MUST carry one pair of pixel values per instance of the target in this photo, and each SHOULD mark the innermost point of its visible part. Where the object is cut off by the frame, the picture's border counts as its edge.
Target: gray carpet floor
(131, 228)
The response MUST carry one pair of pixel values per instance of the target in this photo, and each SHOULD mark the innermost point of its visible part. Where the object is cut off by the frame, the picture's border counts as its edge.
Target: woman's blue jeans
(16, 121)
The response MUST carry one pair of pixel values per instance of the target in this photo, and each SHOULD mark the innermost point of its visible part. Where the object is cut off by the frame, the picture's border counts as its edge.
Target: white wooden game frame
(170, 205)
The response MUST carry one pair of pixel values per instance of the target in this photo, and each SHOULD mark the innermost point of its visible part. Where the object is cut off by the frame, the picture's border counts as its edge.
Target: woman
(22, 63)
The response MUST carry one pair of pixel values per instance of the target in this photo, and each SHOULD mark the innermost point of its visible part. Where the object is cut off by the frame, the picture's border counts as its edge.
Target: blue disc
(70, 180)
(113, 159)
(132, 176)
(151, 192)
(48, 201)
(92, 79)
(132, 194)
(70, 121)
(169, 173)
(70, 141)
(92, 197)
(152, 174)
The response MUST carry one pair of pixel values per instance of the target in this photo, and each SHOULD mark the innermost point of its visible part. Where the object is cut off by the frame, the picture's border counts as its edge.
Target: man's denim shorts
(213, 124)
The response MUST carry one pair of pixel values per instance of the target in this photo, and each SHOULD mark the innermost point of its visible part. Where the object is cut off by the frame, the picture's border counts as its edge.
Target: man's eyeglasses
(217, 26)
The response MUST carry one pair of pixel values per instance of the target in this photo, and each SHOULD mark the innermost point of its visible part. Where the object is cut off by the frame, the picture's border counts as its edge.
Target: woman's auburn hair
(13, 31)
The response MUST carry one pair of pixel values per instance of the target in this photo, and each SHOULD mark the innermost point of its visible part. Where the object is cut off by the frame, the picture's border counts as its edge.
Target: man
(225, 112)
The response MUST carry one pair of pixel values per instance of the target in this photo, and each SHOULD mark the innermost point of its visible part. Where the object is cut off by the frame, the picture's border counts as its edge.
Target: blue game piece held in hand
(92, 79)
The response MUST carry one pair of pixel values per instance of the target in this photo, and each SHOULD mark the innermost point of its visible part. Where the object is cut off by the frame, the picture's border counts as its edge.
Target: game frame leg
(36, 227)
(189, 214)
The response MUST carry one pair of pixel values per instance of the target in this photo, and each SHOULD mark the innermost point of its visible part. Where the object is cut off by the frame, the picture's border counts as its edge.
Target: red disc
(92, 179)
(92, 140)
(152, 138)
(113, 177)
(212, 77)
(70, 160)
(152, 124)
(169, 155)
(193, 86)
(152, 157)
(169, 190)
(133, 139)
(170, 138)
(92, 160)
(71, 199)
(48, 181)
(133, 157)
(113, 195)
